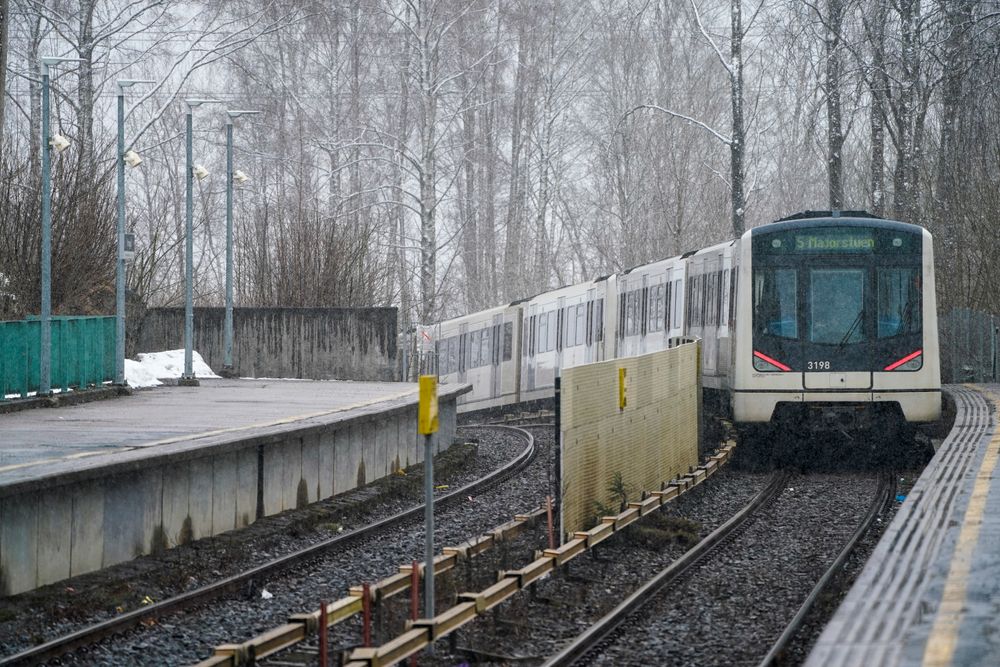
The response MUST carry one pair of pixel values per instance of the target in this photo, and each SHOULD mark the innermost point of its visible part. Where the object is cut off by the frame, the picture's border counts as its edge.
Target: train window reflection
(775, 303)
(899, 309)
(836, 306)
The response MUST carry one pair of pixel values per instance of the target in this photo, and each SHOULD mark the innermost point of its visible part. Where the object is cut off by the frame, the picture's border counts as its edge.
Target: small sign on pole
(427, 425)
(428, 418)
(128, 252)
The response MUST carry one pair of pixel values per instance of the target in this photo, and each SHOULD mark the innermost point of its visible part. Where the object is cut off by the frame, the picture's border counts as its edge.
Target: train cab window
(836, 306)
(508, 340)
(775, 302)
(899, 307)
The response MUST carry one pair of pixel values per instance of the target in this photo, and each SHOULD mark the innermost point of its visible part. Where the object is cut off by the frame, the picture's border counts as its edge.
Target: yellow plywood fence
(634, 419)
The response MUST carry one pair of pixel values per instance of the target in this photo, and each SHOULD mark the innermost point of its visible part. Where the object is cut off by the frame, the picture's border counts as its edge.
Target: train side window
(668, 306)
(678, 304)
(720, 292)
(644, 305)
(508, 340)
(581, 326)
(726, 298)
(453, 354)
(599, 320)
(486, 348)
(732, 297)
(552, 330)
(531, 336)
(543, 332)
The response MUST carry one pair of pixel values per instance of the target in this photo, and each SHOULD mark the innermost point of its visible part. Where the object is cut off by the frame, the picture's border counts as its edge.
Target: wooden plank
(568, 551)
(275, 639)
(448, 621)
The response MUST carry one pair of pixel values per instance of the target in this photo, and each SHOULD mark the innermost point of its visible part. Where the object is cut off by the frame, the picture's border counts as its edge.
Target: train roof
(810, 219)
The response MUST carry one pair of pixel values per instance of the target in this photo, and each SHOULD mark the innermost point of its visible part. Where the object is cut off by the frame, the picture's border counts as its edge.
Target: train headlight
(762, 362)
(911, 362)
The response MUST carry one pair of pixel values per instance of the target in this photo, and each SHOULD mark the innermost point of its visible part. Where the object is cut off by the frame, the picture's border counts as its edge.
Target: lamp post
(120, 263)
(188, 378)
(227, 359)
(45, 353)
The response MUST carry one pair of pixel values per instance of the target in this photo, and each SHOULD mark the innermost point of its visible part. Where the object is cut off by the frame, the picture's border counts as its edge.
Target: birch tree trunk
(834, 129)
(738, 146)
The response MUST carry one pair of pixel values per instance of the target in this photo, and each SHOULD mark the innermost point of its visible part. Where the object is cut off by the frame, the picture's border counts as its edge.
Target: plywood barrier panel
(651, 440)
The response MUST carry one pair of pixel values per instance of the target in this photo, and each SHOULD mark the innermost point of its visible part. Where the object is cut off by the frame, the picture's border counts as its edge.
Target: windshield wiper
(850, 332)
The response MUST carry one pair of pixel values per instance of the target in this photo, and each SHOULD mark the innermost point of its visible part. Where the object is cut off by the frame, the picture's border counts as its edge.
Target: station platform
(86, 486)
(930, 593)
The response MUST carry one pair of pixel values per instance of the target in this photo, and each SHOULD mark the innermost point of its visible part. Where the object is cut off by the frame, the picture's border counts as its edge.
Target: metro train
(823, 319)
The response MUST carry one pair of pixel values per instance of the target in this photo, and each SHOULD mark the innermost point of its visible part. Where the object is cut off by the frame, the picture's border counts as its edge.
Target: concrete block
(274, 472)
(291, 451)
(176, 503)
(124, 531)
(200, 499)
(225, 478)
(19, 539)
(55, 535)
(246, 487)
(343, 470)
(326, 462)
(310, 466)
(367, 467)
(151, 489)
(381, 466)
(355, 455)
(87, 538)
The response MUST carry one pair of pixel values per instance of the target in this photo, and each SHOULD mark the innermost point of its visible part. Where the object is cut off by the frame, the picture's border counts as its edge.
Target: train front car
(837, 326)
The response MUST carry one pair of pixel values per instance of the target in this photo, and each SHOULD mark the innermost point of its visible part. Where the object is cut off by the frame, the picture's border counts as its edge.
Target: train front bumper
(830, 407)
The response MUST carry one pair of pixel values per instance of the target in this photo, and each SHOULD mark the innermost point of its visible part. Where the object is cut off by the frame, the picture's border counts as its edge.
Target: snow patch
(151, 367)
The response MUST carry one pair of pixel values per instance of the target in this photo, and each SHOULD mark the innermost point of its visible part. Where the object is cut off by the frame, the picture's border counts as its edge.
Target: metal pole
(45, 358)
(429, 523)
(227, 359)
(120, 262)
(188, 375)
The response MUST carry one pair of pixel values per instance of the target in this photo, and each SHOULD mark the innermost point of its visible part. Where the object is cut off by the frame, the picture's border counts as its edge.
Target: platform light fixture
(240, 177)
(200, 172)
(45, 314)
(132, 159)
(188, 378)
(59, 142)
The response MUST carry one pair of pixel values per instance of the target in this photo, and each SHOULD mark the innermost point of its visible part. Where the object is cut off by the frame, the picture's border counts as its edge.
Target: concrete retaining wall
(70, 522)
(309, 343)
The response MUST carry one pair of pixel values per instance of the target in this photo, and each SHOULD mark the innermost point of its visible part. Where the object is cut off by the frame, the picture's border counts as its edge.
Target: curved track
(90, 635)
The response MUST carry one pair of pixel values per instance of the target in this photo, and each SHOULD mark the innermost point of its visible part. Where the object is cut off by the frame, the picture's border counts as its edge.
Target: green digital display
(860, 241)
(816, 239)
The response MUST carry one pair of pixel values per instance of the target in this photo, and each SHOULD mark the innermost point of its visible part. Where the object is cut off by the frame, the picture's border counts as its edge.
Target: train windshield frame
(836, 297)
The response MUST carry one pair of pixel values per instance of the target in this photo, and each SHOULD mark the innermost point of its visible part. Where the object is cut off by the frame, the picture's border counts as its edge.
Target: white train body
(818, 318)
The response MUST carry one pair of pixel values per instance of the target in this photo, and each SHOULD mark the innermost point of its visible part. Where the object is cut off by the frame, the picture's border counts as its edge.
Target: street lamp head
(49, 61)
(59, 142)
(128, 83)
(132, 158)
(198, 101)
(236, 113)
(240, 176)
(200, 172)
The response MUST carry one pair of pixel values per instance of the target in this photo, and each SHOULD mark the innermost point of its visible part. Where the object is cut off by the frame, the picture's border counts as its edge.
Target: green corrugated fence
(83, 353)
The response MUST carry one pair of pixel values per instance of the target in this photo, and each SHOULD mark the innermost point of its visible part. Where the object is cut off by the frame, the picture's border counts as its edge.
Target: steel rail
(612, 621)
(88, 636)
(776, 656)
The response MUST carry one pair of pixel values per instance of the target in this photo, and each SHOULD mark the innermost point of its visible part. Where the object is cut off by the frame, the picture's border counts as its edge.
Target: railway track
(605, 640)
(202, 596)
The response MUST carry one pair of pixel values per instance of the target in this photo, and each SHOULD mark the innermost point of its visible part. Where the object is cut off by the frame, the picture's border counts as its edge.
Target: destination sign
(860, 241)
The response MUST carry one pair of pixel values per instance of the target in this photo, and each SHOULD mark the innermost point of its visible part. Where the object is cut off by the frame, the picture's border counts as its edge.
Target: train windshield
(837, 299)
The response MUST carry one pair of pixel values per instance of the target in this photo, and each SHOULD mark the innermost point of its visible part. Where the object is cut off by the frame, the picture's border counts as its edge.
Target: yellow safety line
(943, 640)
(206, 434)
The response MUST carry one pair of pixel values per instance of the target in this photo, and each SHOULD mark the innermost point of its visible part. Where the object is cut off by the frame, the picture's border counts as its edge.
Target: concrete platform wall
(305, 343)
(58, 530)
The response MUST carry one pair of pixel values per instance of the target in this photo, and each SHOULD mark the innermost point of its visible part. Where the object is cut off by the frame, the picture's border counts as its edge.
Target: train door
(528, 335)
